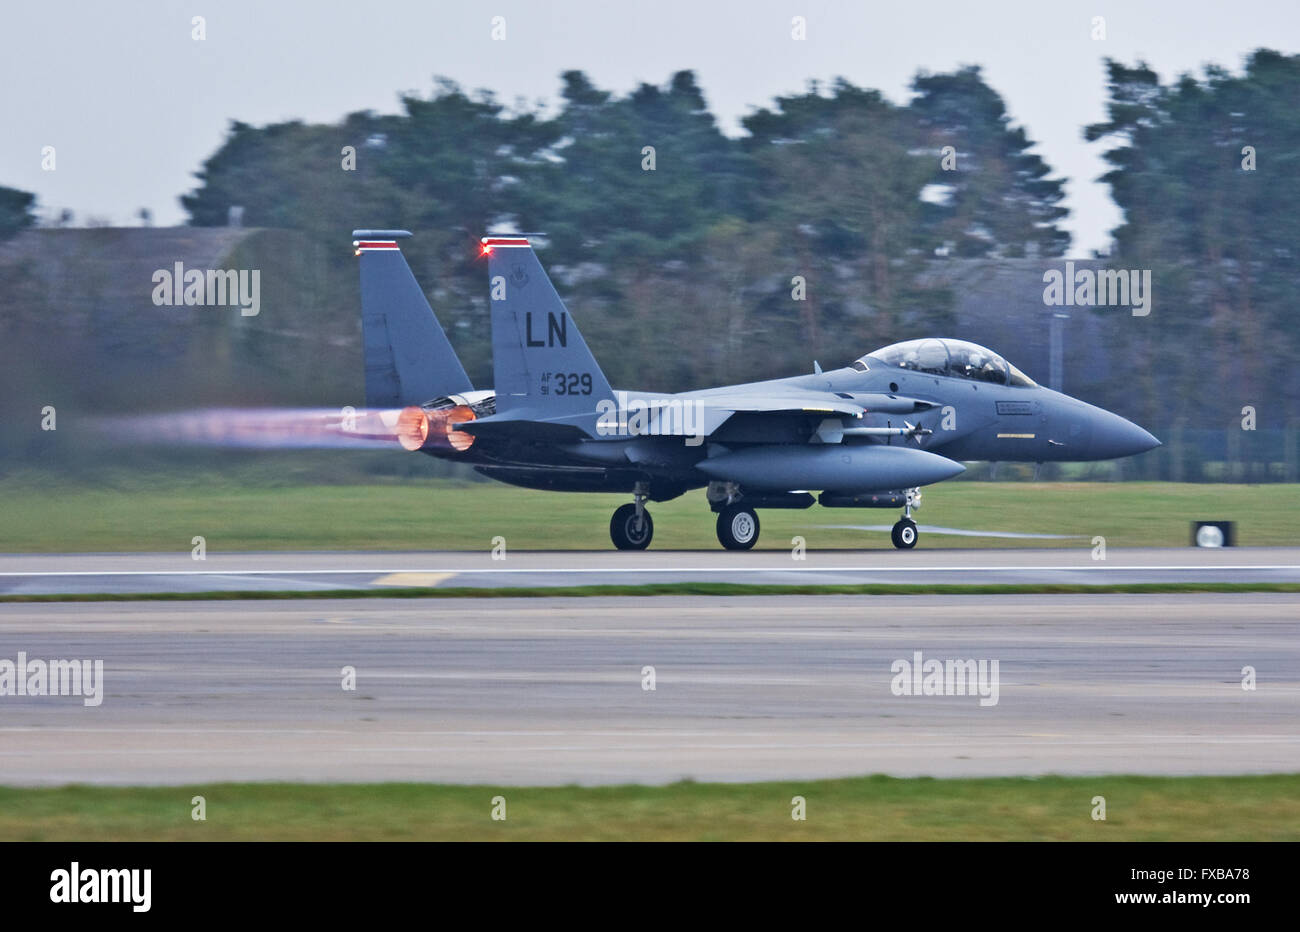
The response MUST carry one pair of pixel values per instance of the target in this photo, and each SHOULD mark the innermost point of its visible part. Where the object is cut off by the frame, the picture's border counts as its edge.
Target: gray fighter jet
(867, 435)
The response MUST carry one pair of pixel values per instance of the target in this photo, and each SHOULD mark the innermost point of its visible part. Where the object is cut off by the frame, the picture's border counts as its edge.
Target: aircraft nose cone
(938, 472)
(1115, 437)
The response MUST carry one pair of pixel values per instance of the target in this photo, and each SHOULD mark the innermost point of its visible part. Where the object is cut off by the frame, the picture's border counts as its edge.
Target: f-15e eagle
(867, 435)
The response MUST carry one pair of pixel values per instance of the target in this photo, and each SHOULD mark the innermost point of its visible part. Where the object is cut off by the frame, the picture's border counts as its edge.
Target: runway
(22, 574)
(550, 690)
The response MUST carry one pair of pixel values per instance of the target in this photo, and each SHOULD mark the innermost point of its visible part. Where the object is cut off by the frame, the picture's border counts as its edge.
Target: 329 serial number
(569, 383)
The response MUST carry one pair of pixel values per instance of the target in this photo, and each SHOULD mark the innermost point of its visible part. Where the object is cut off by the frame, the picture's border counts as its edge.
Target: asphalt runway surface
(22, 574)
(550, 690)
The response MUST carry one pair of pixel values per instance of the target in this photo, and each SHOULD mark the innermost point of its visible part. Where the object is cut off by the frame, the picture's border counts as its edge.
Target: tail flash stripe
(495, 241)
(366, 246)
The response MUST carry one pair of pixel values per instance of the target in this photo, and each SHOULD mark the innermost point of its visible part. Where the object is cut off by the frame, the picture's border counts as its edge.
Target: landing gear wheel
(627, 531)
(904, 534)
(738, 527)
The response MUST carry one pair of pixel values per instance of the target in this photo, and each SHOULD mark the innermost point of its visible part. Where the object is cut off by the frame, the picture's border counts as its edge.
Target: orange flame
(417, 428)
(412, 428)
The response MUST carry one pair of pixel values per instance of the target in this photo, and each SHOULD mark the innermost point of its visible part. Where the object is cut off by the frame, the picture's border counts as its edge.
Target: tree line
(697, 256)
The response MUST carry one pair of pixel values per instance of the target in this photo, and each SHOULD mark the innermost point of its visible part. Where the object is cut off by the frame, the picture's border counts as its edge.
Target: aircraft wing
(778, 403)
(715, 409)
(719, 407)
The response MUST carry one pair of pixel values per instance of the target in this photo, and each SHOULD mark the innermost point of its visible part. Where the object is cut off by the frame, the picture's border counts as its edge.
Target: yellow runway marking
(411, 579)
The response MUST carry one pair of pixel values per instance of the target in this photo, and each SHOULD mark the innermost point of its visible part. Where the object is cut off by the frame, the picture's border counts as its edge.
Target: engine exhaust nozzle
(419, 428)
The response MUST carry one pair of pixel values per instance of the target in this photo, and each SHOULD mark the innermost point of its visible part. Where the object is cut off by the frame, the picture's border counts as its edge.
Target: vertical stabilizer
(408, 357)
(539, 358)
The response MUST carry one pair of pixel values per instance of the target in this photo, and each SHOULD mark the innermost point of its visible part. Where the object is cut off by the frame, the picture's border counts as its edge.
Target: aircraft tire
(625, 532)
(904, 534)
(738, 527)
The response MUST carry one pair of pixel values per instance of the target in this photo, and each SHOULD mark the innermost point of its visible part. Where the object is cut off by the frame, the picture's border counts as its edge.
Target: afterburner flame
(417, 428)
(295, 428)
(445, 421)
(344, 428)
(412, 428)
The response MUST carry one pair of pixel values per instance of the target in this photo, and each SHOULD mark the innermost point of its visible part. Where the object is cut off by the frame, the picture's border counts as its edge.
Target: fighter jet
(867, 435)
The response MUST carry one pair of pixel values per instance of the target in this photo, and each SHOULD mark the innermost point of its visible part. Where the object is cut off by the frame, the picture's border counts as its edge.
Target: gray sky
(133, 104)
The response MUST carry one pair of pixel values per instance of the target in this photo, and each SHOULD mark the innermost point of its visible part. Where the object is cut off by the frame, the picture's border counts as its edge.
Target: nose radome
(1115, 437)
(944, 470)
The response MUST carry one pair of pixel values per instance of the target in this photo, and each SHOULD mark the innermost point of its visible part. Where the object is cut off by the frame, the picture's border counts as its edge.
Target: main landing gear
(631, 528)
(738, 527)
(904, 533)
(737, 522)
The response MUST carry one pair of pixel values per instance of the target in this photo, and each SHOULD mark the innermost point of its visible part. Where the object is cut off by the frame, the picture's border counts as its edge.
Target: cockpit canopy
(953, 358)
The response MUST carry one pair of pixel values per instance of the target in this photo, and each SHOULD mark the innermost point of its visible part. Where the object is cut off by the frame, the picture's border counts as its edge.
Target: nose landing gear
(904, 533)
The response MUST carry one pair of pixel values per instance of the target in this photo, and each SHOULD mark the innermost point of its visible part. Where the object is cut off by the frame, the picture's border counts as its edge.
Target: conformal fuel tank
(857, 467)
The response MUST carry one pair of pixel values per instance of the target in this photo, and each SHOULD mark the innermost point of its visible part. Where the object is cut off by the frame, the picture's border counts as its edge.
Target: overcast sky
(133, 104)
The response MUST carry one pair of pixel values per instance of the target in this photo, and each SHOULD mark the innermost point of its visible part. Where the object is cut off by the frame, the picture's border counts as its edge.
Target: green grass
(164, 515)
(649, 589)
(1256, 808)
